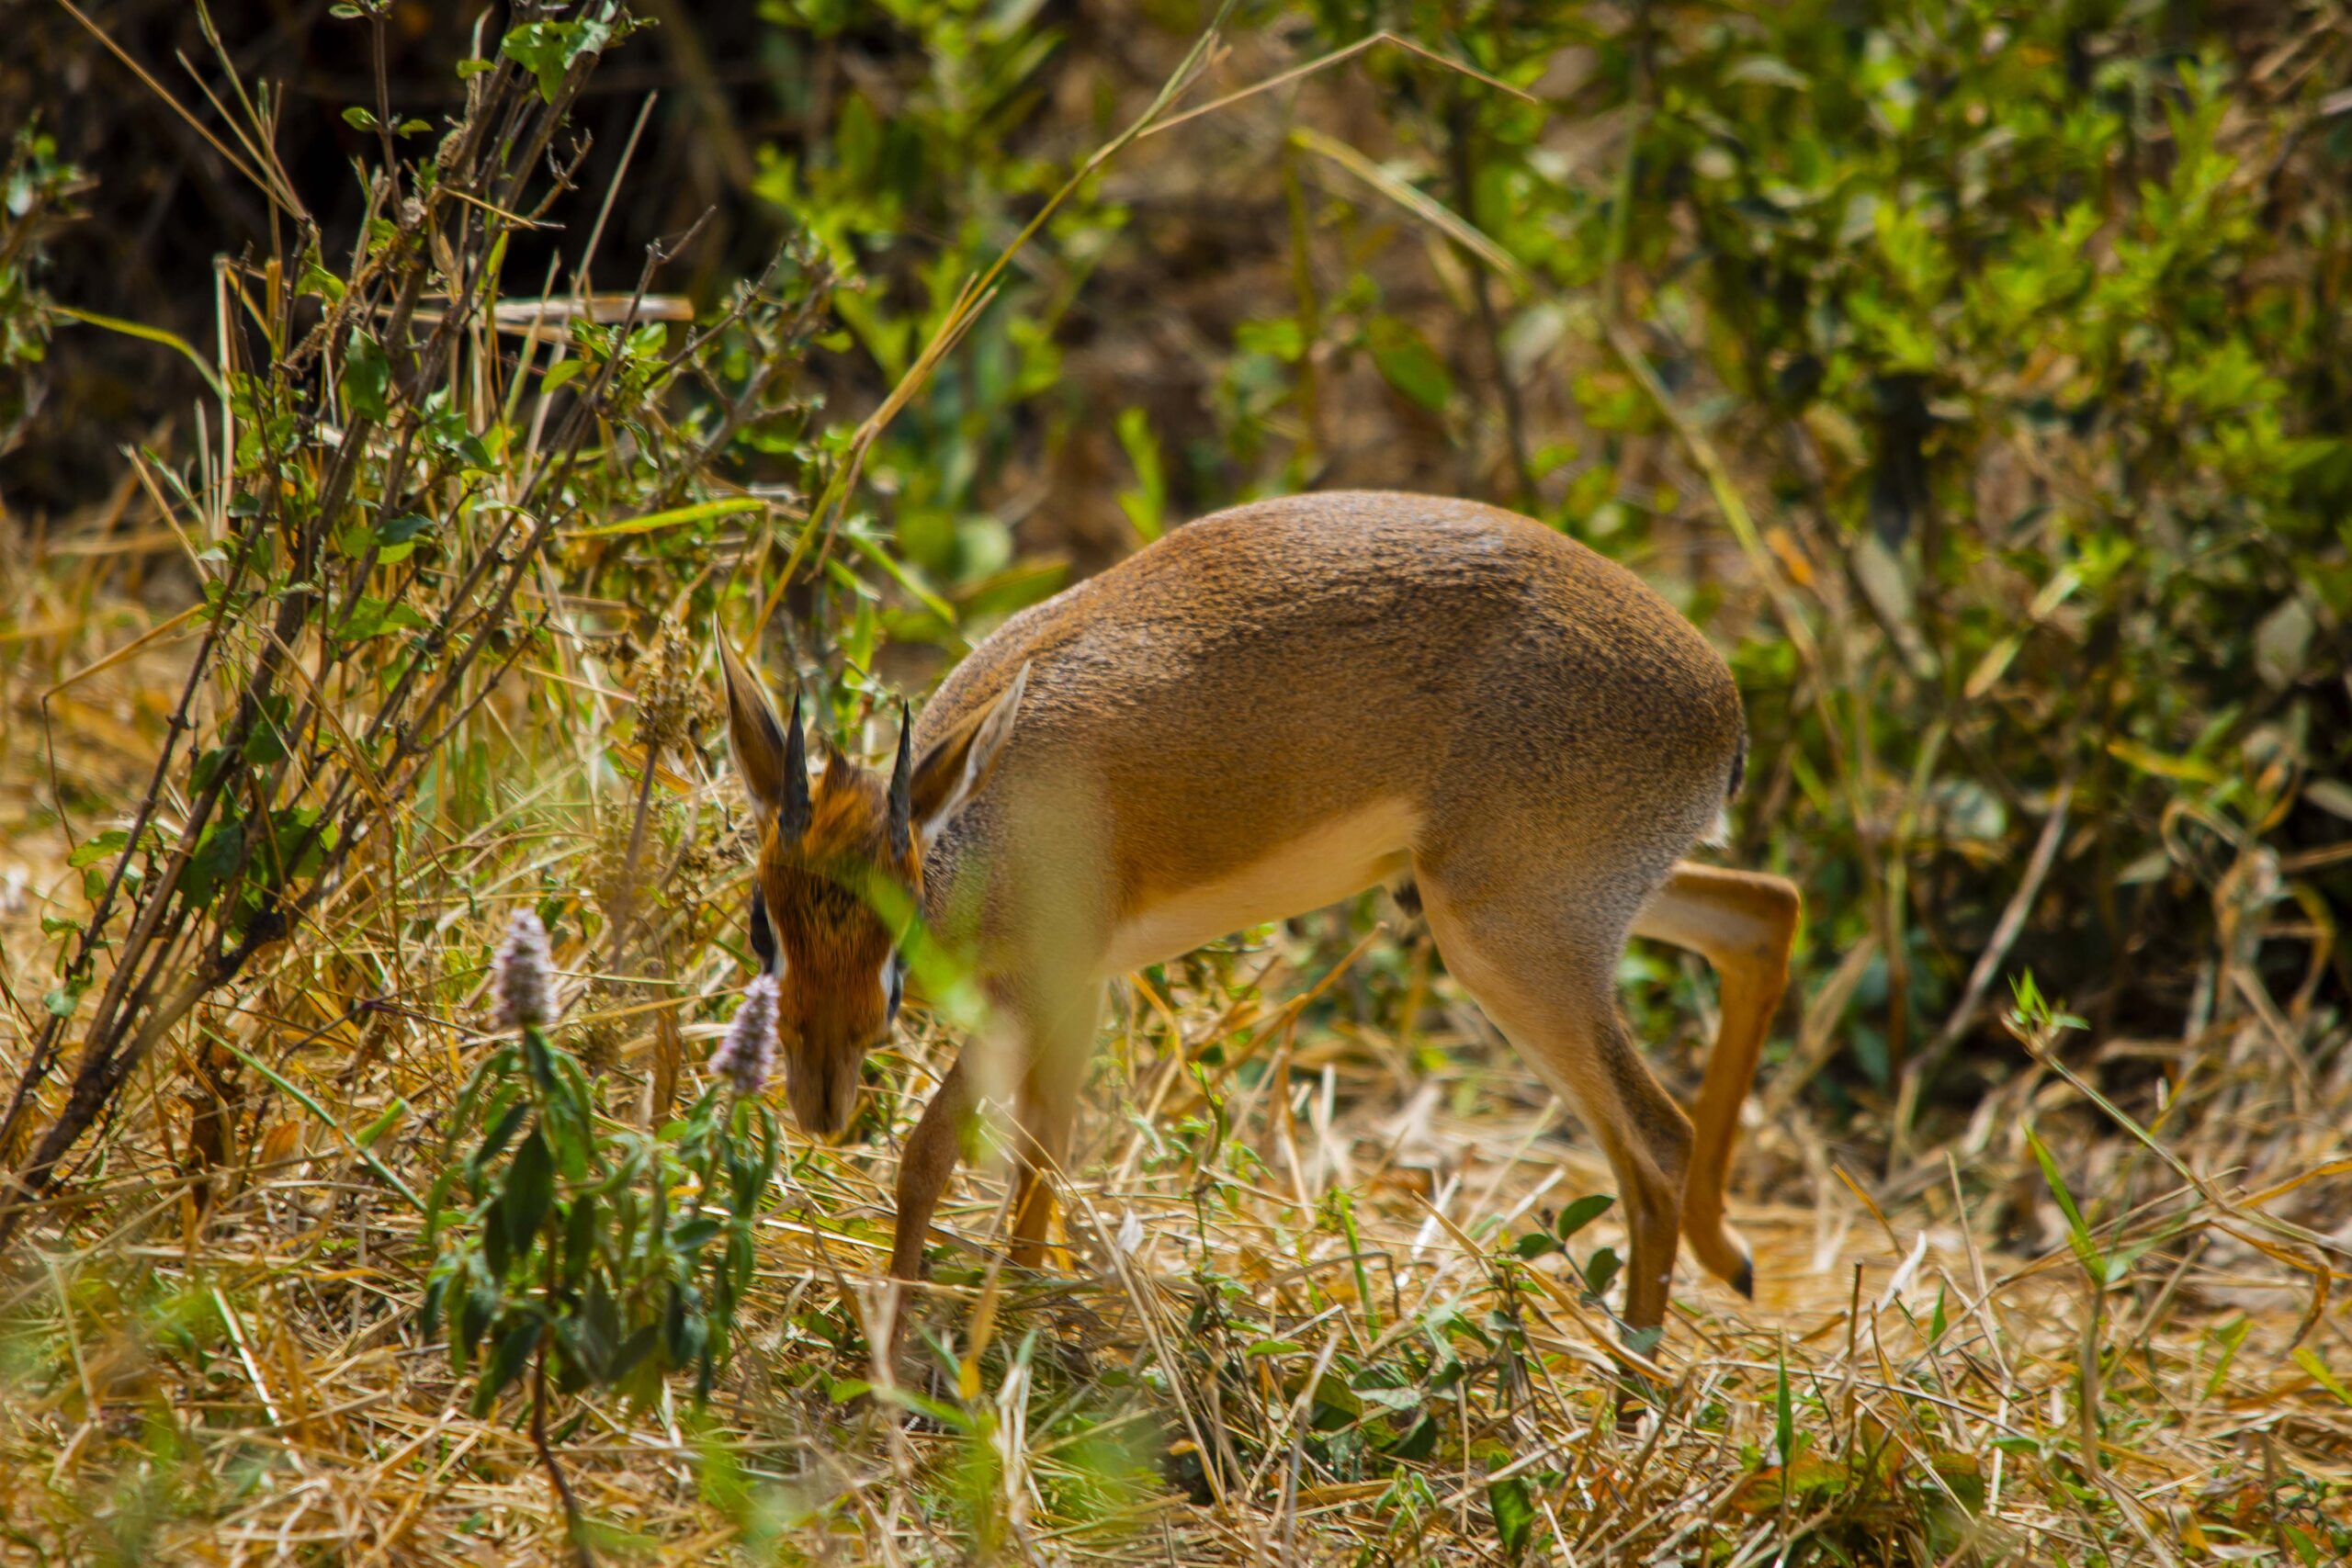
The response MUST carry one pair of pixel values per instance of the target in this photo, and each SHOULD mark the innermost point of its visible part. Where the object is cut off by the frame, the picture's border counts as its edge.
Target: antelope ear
(953, 770)
(771, 762)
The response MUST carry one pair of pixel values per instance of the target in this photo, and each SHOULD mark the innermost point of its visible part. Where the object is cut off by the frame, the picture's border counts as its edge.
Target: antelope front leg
(933, 1150)
(1062, 1045)
(1048, 1109)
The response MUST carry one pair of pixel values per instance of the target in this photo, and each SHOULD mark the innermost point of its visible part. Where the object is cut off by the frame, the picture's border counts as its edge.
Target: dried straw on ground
(213, 1352)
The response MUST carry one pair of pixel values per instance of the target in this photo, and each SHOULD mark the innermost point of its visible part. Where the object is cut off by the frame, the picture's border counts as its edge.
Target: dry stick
(103, 1067)
(580, 284)
(45, 1051)
(1996, 950)
(624, 917)
(284, 198)
(262, 151)
(547, 1449)
(1337, 56)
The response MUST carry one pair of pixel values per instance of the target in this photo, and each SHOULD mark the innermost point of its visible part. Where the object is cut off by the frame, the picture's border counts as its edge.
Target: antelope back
(1278, 704)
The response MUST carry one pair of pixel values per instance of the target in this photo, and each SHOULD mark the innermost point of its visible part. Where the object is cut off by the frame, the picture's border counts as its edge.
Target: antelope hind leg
(1744, 923)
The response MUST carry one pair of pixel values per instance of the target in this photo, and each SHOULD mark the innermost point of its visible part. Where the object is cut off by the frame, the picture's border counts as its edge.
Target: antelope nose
(823, 1114)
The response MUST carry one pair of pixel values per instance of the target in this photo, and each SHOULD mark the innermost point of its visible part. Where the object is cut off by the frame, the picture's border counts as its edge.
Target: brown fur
(1281, 703)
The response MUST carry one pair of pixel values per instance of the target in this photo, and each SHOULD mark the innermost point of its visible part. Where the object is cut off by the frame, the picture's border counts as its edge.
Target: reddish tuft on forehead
(849, 825)
(816, 885)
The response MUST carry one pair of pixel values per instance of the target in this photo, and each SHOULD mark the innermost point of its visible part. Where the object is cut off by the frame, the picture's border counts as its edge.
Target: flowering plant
(591, 1254)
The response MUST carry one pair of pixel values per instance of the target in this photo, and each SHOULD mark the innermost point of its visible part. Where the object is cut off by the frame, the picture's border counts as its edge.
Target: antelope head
(813, 924)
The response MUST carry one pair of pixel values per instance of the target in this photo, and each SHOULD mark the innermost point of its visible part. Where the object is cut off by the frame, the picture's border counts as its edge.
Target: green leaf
(2232, 1336)
(207, 772)
(580, 1237)
(317, 280)
(397, 537)
(359, 119)
(374, 617)
(374, 1132)
(1600, 1270)
(475, 1310)
(1391, 1398)
(503, 1130)
(506, 1364)
(217, 854)
(265, 741)
(1279, 336)
(1409, 364)
(948, 1416)
(689, 1238)
(544, 50)
(634, 1349)
(530, 1188)
(1582, 1213)
(1536, 1244)
(1146, 504)
(1513, 1505)
(2078, 1231)
(90, 849)
(2308, 1358)
(497, 1253)
(367, 378)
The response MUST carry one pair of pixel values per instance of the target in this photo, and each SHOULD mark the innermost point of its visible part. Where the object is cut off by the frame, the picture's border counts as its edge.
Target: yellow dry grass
(239, 1378)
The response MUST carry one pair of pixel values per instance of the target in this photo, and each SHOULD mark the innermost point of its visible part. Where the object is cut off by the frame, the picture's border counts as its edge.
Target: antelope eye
(893, 985)
(762, 934)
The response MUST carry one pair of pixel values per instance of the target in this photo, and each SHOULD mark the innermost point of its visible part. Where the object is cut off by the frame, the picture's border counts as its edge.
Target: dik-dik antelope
(1261, 713)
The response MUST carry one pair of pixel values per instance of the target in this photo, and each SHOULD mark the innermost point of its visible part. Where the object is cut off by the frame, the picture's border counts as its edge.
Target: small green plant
(594, 1256)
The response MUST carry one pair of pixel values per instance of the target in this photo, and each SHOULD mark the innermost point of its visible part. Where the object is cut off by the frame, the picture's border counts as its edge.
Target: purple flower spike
(747, 1055)
(522, 976)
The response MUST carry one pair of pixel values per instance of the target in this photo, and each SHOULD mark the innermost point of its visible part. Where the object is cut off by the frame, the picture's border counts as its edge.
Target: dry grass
(213, 1354)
